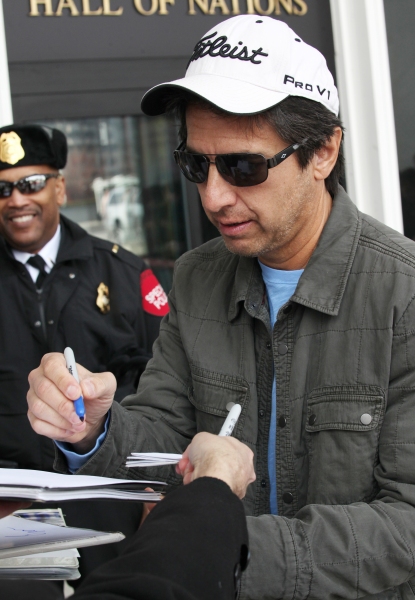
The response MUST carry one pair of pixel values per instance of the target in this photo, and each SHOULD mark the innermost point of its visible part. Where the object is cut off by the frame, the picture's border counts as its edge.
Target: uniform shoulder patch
(154, 298)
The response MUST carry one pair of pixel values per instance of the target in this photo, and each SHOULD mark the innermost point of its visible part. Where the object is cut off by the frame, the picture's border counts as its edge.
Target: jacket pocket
(210, 393)
(343, 425)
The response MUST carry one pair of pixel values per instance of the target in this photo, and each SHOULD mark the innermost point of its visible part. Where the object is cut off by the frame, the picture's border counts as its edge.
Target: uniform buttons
(72, 275)
(51, 322)
(282, 348)
(288, 498)
(261, 413)
(269, 345)
(312, 419)
(282, 421)
(264, 483)
(366, 419)
(38, 324)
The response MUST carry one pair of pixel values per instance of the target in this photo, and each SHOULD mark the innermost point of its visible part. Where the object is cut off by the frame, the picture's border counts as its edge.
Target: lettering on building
(147, 8)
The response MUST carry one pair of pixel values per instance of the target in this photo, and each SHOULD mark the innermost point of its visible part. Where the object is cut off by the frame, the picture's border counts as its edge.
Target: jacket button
(282, 421)
(288, 498)
(264, 483)
(282, 348)
(366, 419)
(37, 324)
(261, 413)
(312, 419)
(72, 275)
(269, 345)
(51, 322)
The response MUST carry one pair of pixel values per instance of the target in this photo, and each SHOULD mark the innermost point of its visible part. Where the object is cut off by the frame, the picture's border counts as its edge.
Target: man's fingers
(62, 415)
(52, 431)
(47, 403)
(53, 368)
(99, 385)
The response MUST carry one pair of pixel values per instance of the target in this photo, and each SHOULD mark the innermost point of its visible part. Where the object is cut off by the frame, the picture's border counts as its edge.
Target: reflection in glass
(123, 185)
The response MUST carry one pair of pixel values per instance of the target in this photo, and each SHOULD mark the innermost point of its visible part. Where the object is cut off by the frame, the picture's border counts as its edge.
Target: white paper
(152, 459)
(21, 537)
(43, 486)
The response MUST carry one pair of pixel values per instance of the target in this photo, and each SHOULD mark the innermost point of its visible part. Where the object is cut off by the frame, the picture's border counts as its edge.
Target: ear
(60, 188)
(325, 158)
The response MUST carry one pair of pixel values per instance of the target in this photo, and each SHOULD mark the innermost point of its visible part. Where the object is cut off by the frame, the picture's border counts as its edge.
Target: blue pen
(71, 365)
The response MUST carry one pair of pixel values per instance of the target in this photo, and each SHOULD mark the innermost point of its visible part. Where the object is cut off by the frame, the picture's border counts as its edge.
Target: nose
(16, 198)
(216, 193)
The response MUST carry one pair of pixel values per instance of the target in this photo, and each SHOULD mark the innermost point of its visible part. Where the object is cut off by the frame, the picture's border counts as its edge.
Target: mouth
(22, 218)
(234, 229)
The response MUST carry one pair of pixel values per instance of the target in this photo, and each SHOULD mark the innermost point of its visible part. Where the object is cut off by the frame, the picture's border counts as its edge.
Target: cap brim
(231, 95)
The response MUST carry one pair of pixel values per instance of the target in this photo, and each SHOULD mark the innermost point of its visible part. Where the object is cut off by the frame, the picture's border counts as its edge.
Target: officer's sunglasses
(241, 169)
(27, 185)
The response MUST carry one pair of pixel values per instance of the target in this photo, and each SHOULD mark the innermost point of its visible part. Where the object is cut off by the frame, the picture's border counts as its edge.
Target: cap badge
(103, 298)
(11, 150)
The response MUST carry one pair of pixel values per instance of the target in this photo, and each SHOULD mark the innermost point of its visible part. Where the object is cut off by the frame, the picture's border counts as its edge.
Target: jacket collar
(76, 244)
(323, 282)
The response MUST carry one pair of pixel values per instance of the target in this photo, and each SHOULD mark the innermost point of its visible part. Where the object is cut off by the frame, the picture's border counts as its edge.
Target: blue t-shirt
(280, 287)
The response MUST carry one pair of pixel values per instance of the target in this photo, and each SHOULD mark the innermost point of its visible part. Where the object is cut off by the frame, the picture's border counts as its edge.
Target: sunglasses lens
(6, 189)
(242, 170)
(31, 184)
(194, 167)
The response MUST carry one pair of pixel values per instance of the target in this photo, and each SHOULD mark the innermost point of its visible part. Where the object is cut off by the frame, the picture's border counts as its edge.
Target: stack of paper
(36, 544)
(42, 486)
(152, 459)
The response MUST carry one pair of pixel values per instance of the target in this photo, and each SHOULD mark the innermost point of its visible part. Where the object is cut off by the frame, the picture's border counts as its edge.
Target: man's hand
(7, 508)
(222, 457)
(51, 396)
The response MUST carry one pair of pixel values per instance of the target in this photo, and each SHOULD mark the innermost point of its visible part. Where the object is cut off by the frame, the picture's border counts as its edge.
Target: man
(61, 287)
(194, 544)
(302, 313)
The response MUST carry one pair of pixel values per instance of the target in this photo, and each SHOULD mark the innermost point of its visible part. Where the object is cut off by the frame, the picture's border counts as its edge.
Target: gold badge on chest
(103, 298)
(11, 150)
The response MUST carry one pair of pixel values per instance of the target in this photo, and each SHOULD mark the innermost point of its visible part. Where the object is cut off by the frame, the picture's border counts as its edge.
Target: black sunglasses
(27, 185)
(240, 169)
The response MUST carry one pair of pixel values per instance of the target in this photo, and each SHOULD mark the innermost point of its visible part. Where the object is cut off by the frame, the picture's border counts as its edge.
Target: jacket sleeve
(356, 550)
(192, 546)
(159, 417)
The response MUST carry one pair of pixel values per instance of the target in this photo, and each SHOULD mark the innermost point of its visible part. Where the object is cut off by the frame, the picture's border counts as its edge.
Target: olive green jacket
(343, 349)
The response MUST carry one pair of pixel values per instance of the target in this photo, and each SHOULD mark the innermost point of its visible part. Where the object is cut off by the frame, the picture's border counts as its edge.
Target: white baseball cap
(247, 64)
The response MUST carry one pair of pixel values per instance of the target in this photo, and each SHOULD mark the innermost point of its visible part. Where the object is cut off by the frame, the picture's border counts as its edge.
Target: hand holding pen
(51, 397)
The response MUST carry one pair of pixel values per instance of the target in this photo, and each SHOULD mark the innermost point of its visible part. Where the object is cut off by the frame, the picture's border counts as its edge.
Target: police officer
(60, 286)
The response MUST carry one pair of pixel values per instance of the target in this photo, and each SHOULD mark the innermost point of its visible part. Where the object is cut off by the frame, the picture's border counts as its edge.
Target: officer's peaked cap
(26, 145)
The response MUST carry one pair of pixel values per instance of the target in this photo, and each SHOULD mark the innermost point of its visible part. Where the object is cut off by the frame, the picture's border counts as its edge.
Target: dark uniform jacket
(343, 352)
(192, 546)
(66, 314)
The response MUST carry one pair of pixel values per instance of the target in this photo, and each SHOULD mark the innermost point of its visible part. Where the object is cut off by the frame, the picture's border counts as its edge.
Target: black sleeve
(192, 546)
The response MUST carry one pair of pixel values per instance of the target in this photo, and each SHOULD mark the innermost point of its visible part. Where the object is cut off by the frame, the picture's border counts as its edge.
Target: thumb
(98, 385)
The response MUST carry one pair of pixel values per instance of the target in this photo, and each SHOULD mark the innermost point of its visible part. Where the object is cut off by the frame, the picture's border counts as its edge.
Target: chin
(248, 250)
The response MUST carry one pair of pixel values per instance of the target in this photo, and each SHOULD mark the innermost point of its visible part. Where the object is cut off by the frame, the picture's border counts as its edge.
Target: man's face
(272, 220)
(29, 221)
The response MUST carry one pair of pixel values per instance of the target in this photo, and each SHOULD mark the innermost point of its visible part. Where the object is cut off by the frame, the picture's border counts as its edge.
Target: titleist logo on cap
(220, 47)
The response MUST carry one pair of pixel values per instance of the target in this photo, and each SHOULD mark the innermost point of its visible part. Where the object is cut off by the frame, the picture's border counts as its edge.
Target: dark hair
(294, 119)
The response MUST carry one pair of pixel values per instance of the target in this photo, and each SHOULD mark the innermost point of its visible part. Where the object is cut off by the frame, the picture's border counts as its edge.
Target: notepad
(19, 537)
(152, 459)
(42, 486)
(55, 565)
